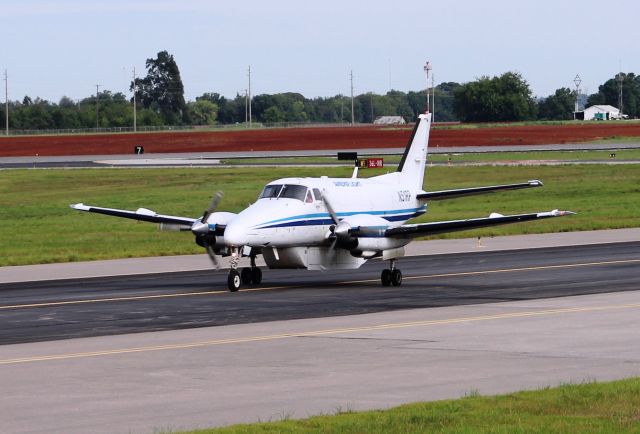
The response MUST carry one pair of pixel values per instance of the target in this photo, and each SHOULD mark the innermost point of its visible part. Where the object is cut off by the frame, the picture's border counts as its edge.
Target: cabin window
(309, 198)
(271, 191)
(293, 192)
(317, 194)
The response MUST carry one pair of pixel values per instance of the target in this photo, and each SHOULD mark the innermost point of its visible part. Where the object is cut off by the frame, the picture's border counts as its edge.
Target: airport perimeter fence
(165, 128)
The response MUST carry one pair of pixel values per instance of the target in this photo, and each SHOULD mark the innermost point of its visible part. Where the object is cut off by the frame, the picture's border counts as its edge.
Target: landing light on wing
(145, 211)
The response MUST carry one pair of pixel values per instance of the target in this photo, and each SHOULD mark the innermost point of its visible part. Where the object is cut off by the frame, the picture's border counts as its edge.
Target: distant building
(599, 113)
(389, 120)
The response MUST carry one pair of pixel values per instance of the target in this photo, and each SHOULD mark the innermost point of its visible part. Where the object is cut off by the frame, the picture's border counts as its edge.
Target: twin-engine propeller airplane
(330, 223)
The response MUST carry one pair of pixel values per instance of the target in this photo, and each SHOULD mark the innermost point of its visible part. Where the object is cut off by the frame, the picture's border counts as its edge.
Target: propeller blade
(212, 256)
(332, 213)
(212, 206)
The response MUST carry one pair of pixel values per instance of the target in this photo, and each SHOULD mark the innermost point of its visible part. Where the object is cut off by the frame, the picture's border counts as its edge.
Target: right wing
(142, 214)
(423, 229)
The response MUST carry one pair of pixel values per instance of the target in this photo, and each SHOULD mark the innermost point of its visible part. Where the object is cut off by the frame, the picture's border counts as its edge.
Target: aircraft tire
(385, 277)
(396, 277)
(246, 275)
(256, 275)
(234, 281)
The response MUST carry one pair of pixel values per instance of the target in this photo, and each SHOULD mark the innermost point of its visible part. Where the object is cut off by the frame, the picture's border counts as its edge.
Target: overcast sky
(55, 48)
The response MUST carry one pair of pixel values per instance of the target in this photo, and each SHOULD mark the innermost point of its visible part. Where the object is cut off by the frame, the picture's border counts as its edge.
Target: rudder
(414, 159)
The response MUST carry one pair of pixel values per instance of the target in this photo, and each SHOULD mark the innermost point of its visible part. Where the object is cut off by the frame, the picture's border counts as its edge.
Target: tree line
(160, 102)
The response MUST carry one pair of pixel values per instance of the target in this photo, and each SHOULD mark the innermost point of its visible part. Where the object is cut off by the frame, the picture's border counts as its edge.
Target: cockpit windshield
(286, 191)
(271, 191)
(294, 192)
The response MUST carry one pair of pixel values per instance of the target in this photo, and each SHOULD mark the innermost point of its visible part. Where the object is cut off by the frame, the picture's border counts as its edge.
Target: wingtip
(79, 206)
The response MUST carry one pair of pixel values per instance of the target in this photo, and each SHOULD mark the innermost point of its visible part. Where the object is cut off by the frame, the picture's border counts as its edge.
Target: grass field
(587, 408)
(39, 227)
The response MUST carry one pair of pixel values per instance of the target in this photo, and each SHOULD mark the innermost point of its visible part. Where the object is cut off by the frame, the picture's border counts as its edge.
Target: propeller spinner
(204, 234)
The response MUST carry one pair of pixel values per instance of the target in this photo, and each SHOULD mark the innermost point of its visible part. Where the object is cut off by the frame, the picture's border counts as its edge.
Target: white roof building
(601, 112)
(389, 120)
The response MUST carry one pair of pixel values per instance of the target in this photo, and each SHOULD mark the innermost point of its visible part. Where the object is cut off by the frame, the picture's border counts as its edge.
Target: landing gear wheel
(245, 276)
(385, 277)
(256, 275)
(234, 280)
(396, 277)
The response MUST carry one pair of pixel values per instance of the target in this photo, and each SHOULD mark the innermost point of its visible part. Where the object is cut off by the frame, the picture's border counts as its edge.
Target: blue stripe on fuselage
(325, 218)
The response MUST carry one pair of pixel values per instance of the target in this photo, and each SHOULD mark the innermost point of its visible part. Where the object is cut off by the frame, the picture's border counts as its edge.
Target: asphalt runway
(65, 309)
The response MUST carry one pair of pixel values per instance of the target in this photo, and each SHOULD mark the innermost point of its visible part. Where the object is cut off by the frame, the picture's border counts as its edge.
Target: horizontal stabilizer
(462, 192)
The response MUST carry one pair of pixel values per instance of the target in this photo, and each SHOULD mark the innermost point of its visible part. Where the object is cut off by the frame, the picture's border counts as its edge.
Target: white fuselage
(293, 232)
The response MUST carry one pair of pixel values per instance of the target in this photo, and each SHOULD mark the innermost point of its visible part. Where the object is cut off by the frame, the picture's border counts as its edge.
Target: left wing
(463, 192)
(423, 229)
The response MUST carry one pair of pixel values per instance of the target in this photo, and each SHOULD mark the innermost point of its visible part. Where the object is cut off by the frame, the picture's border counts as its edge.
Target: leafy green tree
(203, 112)
(418, 103)
(273, 115)
(162, 89)
(444, 102)
(291, 105)
(558, 106)
(226, 113)
(504, 98)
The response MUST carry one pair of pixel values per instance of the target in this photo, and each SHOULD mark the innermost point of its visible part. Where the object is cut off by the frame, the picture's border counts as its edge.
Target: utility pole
(249, 96)
(577, 80)
(6, 102)
(433, 99)
(97, 99)
(246, 106)
(135, 88)
(352, 98)
(620, 82)
(371, 103)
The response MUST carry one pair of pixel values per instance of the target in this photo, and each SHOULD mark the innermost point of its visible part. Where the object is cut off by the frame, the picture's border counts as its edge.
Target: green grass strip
(586, 408)
(39, 227)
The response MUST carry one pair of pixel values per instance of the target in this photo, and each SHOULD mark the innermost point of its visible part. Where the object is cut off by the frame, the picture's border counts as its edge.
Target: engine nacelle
(216, 221)
(363, 235)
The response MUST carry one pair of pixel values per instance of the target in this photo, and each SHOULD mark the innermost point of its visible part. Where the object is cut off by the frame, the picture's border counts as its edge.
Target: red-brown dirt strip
(305, 139)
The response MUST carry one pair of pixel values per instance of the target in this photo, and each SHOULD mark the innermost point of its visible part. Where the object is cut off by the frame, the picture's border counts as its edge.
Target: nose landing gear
(246, 276)
(391, 275)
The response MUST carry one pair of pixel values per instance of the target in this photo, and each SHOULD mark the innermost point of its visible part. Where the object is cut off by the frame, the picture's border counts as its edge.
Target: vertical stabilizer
(413, 161)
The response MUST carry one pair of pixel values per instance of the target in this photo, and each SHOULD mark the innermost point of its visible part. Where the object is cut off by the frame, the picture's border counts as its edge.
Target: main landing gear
(392, 275)
(246, 276)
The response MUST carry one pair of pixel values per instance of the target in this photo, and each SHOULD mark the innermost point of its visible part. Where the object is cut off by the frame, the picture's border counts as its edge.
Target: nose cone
(235, 234)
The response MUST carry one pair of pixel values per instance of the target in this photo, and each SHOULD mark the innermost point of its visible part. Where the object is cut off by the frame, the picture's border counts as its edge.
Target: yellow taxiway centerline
(271, 288)
(249, 339)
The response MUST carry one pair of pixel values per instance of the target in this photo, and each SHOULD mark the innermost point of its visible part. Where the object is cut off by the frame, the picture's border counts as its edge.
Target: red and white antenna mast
(427, 69)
